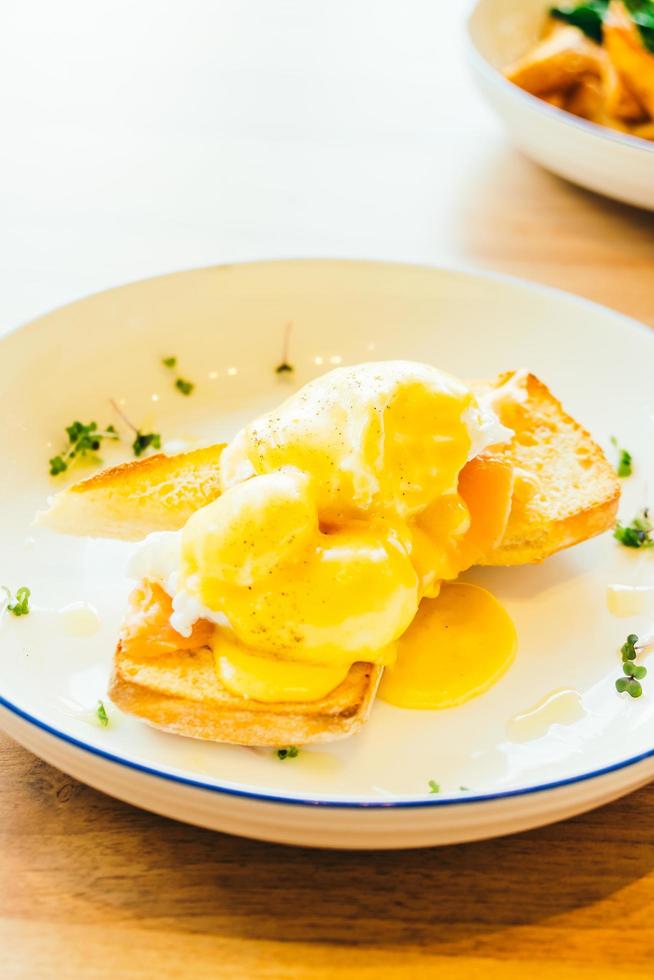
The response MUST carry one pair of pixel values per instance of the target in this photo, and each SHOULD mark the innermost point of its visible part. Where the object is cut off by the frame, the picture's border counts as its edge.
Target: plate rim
(459, 269)
(336, 803)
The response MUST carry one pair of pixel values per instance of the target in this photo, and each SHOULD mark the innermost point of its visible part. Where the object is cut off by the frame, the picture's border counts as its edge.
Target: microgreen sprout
(20, 606)
(638, 534)
(83, 441)
(624, 466)
(142, 440)
(101, 714)
(185, 387)
(285, 366)
(146, 440)
(290, 752)
(434, 787)
(633, 673)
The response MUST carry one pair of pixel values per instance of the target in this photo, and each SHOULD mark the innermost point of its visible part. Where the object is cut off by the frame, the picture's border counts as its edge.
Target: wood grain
(90, 887)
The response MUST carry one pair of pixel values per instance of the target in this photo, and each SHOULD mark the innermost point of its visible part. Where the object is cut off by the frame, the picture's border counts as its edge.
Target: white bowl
(226, 325)
(600, 159)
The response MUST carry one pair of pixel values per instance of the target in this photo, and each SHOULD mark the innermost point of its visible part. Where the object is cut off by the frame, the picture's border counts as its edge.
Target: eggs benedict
(340, 511)
(330, 551)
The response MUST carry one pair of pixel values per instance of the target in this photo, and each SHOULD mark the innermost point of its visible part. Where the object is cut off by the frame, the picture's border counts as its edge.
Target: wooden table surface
(90, 887)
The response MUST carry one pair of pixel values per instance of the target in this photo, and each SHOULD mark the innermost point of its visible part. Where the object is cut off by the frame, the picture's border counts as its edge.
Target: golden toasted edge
(129, 501)
(240, 721)
(587, 522)
(557, 536)
(141, 469)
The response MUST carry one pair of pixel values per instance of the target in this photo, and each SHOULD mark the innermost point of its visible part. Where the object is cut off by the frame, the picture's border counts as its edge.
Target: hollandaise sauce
(340, 514)
(267, 678)
(458, 645)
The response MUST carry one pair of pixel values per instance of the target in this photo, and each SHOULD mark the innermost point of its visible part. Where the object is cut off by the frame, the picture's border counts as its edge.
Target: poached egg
(342, 512)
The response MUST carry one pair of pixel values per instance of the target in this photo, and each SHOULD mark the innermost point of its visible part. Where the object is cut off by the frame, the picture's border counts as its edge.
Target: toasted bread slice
(158, 493)
(172, 684)
(565, 489)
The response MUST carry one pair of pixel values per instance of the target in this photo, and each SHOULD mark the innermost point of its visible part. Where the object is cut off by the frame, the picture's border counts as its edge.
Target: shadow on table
(100, 860)
(442, 897)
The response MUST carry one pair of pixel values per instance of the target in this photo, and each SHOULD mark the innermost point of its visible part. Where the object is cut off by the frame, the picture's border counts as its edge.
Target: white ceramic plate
(226, 324)
(600, 159)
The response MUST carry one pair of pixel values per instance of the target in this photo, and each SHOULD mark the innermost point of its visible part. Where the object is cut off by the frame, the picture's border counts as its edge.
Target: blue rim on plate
(353, 804)
(333, 804)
